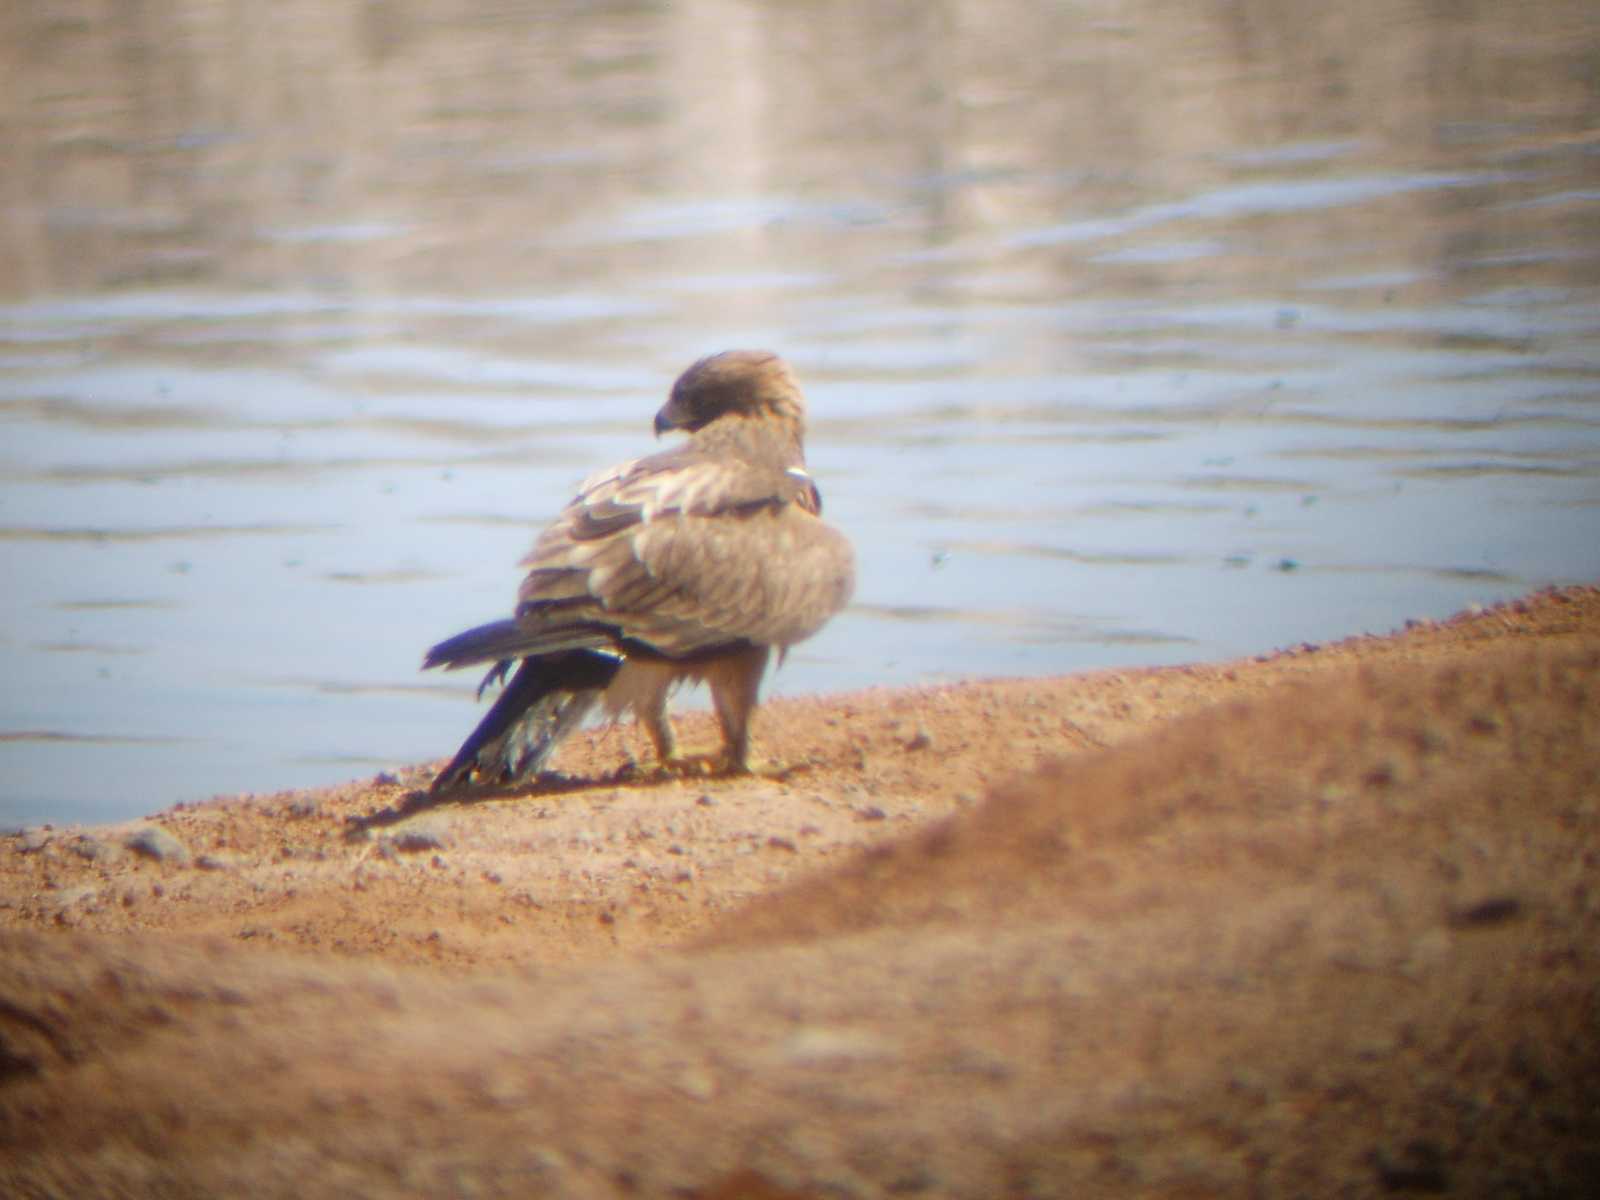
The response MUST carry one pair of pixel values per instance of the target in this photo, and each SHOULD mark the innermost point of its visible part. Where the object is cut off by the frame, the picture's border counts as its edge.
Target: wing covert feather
(686, 551)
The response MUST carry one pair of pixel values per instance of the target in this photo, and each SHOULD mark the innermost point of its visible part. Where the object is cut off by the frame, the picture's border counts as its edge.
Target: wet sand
(1320, 923)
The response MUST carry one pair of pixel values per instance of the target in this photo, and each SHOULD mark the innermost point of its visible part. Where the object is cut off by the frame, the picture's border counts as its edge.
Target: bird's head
(747, 382)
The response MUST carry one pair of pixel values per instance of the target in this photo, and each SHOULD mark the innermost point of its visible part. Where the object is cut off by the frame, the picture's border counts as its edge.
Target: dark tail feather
(483, 643)
(545, 700)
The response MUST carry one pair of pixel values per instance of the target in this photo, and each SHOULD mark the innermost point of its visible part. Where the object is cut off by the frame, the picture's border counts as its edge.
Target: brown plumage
(693, 563)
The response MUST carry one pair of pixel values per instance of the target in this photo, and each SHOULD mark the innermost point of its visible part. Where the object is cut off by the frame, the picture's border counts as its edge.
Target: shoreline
(1318, 921)
(868, 767)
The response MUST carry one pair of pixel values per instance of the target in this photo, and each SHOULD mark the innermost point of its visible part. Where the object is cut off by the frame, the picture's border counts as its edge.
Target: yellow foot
(701, 766)
(758, 768)
(681, 766)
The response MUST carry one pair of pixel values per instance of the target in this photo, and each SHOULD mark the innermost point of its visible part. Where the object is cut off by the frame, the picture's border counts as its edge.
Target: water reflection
(1132, 335)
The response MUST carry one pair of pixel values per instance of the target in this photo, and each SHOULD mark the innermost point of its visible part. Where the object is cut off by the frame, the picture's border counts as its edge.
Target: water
(1131, 336)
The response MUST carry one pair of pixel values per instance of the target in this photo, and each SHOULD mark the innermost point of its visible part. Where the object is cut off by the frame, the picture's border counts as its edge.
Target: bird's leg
(668, 760)
(653, 716)
(734, 689)
(648, 699)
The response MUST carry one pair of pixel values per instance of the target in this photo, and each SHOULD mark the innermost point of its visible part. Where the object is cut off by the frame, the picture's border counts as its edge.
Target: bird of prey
(693, 563)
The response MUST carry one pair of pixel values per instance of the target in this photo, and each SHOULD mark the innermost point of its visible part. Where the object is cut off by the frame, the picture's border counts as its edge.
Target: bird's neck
(764, 437)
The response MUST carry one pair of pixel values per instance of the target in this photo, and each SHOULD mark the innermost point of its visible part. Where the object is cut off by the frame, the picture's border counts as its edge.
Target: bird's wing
(686, 553)
(685, 480)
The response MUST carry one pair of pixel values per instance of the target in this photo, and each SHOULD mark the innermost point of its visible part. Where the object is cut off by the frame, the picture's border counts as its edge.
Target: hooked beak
(669, 417)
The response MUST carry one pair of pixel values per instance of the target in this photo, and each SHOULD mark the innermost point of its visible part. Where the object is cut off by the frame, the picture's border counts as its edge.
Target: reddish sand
(1324, 924)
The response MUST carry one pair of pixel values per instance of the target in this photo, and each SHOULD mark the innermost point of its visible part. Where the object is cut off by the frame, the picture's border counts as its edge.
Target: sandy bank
(1316, 924)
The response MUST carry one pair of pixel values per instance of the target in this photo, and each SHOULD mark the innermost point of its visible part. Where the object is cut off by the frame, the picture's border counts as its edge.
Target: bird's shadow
(548, 783)
(423, 800)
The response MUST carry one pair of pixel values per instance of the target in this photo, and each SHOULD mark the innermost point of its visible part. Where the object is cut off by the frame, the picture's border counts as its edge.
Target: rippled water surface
(1133, 333)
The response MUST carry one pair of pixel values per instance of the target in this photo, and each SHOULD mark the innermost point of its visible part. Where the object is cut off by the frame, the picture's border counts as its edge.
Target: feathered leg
(735, 686)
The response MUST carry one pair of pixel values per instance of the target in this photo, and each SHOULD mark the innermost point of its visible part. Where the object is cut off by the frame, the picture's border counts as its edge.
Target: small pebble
(414, 841)
(156, 843)
(90, 848)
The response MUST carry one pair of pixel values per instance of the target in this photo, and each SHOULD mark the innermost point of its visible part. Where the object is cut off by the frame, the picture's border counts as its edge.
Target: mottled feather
(705, 557)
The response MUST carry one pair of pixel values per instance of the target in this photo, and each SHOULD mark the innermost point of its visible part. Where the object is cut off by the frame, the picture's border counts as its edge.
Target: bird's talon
(681, 766)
